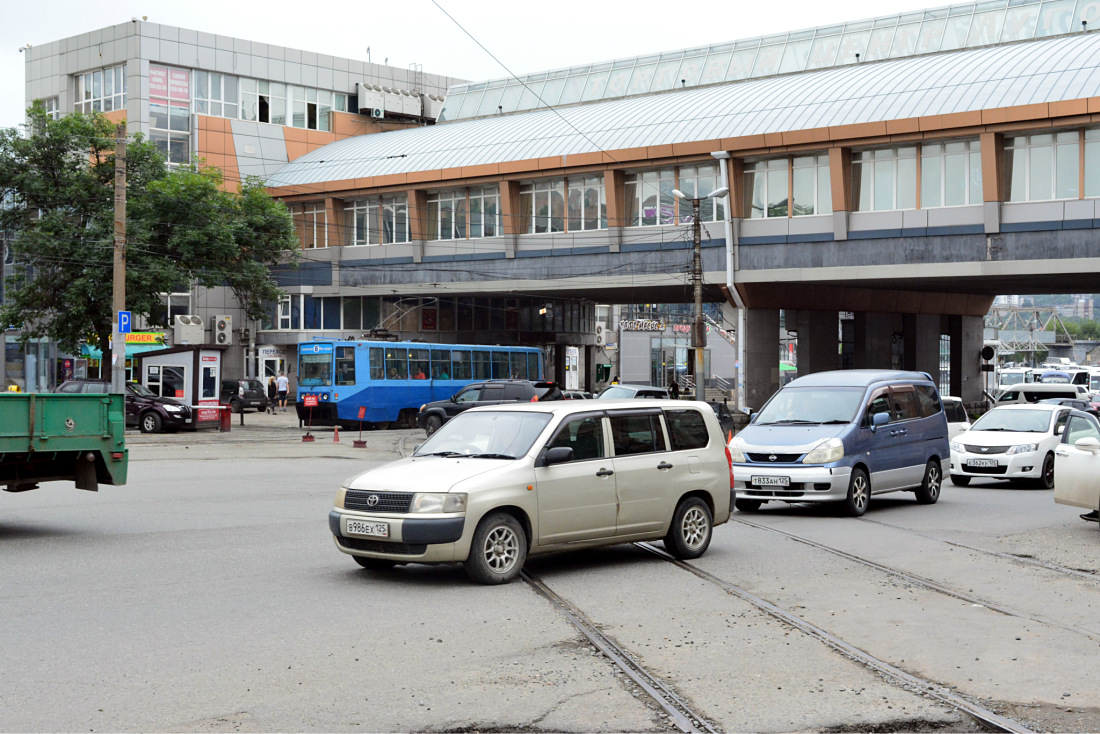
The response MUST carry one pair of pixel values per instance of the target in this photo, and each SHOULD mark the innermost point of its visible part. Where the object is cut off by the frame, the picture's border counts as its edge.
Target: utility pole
(698, 329)
(118, 280)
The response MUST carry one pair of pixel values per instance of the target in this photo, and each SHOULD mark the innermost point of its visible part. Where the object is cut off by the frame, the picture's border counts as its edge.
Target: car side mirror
(558, 455)
(1088, 444)
(1058, 430)
(879, 419)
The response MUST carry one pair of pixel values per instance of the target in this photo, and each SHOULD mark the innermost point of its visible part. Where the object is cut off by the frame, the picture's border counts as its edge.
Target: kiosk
(190, 374)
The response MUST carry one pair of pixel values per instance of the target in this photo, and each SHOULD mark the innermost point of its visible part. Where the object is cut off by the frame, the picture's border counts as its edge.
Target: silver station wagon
(496, 484)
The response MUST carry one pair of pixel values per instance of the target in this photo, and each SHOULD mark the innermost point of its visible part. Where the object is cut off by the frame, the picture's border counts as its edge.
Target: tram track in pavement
(935, 585)
(986, 718)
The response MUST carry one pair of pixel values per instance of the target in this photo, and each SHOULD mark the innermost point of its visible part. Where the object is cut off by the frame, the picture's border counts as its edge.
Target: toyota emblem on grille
(773, 457)
(372, 500)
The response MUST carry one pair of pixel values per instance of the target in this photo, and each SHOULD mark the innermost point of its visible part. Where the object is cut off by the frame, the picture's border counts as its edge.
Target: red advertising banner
(158, 81)
(179, 84)
(208, 415)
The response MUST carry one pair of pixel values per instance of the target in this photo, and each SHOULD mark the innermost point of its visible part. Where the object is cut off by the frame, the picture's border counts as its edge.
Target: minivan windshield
(486, 435)
(811, 405)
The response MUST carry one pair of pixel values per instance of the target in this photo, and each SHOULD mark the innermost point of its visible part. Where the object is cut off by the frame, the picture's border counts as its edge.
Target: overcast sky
(526, 36)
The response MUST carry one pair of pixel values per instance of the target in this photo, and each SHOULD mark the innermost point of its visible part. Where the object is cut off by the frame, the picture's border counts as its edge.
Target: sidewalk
(272, 436)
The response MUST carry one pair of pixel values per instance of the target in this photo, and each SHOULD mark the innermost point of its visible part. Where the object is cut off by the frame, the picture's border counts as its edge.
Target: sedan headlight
(1024, 448)
(437, 502)
(829, 450)
(957, 446)
(174, 408)
(737, 454)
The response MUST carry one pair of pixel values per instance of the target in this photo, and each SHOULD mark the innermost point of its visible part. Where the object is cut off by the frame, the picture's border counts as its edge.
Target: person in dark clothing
(272, 394)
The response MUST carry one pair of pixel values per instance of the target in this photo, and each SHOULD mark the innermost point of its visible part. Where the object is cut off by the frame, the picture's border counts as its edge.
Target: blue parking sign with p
(123, 322)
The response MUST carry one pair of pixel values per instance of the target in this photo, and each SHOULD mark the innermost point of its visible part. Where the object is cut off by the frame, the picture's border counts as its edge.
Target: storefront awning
(132, 348)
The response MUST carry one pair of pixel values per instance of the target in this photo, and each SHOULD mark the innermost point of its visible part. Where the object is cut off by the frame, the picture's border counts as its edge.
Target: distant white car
(1077, 463)
(957, 419)
(1010, 442)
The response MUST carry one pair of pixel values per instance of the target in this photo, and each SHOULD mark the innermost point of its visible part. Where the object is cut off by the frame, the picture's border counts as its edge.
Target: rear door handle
(604, 472)
(664, 465)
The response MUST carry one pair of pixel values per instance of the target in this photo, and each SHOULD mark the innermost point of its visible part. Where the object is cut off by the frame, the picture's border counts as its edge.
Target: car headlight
(425, 405)
(173, 408)
(957, 446)
(1024, 448)
(438, 502)
(829, 450)
(737, 455)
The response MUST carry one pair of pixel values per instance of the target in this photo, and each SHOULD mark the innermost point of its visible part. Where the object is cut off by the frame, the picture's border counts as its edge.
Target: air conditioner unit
(377, 112)
(223, 330)
(601, 335)
(188, 329)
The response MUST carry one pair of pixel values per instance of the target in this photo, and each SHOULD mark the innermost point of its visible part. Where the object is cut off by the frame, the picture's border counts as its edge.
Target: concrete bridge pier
(818, 340)
(761, 355)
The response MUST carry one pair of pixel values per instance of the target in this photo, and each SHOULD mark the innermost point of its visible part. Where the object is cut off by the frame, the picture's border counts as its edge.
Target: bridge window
(542, 206)
(950, 174)
(1092, 162)
(649, 198)
(464, 212)
(700, 181)
(313, 225)
(587, 205)
(804, 180)
(885, 179)
(1043, 167)
(380, 220)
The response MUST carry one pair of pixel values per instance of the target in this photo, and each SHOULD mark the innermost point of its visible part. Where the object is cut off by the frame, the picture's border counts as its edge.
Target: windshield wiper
(835, 422)
(793, 421)
(443, 453)
(490, 456)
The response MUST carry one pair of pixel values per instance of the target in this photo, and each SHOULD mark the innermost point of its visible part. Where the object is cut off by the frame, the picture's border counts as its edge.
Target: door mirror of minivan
(879, 419)
(558, 455)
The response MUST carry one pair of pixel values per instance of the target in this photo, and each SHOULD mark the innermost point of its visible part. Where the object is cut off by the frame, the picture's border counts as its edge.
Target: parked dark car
(491, 392)
(243, 393)
(1084, 405)
(144, 409)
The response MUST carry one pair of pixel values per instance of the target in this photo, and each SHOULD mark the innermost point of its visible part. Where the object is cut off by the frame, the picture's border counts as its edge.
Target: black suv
(247, 392)
(144, 409)
(491, 392)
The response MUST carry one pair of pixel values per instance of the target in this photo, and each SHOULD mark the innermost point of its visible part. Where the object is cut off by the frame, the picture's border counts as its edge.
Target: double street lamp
(698, 330)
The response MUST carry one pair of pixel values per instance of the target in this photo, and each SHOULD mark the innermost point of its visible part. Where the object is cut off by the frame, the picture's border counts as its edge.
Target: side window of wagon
(636, 433)
(686, 429)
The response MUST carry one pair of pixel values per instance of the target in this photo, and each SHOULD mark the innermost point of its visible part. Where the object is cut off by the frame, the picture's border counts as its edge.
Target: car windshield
(140, 390)
(812, 405)
(615, 392)
(486, 434)
(1023, 421)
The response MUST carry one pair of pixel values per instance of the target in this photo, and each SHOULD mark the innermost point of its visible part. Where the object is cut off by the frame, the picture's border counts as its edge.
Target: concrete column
(967, 337)
(559, 364)
(874, 334)
(761, 356)
(817, 341)
(922, 343)
(588, 376)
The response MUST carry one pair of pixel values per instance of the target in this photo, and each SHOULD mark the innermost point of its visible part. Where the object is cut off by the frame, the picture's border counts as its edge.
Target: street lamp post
(698, 330)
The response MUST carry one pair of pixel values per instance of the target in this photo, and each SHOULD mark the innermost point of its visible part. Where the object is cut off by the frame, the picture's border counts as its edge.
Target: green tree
(183, 228)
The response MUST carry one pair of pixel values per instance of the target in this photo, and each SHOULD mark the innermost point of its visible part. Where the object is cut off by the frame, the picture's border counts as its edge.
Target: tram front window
(315, 370)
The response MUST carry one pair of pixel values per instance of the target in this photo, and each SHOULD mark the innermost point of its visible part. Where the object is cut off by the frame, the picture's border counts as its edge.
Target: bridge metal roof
(966, 25)
(1048, 70)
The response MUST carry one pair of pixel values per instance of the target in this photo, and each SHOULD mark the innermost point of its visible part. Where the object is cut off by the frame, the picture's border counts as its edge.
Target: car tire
(234, 405)
(859, 493)
(498, 550)
(691, 530)
(375, 564)
(149, 422)
(432, 424)
(748, 505)
(929, 490)
(1046, 479)
(959, 480)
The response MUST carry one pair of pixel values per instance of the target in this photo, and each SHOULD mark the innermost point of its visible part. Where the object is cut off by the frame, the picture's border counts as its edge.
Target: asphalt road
(206, 595)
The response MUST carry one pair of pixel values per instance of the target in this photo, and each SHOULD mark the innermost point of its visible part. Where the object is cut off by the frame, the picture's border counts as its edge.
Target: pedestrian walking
(283, 385)
(674, 390)
(272, 395)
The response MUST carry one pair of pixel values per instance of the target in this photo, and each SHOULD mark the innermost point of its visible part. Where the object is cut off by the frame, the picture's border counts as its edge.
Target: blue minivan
(842, 436)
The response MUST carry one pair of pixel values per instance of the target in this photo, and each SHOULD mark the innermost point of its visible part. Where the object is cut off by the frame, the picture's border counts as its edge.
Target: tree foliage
(183, 229)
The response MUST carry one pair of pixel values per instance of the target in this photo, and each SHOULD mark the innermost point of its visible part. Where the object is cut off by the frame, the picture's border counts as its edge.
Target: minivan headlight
(829, 450)
(737, 454)
(1024, 448)
(438, 502)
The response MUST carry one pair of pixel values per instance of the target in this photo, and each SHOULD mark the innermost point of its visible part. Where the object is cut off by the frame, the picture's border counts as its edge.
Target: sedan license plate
(363, 527)
(981, 463)
(770, 481)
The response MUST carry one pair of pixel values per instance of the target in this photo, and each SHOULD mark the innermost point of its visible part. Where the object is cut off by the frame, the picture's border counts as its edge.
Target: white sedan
(1010, 442)
(1077, 461)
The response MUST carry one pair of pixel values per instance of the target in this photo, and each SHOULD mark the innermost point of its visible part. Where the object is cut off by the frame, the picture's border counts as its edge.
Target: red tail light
(729, 460)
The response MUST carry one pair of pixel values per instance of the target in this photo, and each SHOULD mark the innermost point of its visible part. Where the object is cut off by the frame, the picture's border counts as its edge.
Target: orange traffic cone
(730, 437)
(336, 434)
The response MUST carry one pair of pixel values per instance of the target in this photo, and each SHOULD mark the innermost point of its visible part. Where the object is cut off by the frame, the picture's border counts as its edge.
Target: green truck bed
(49, 437)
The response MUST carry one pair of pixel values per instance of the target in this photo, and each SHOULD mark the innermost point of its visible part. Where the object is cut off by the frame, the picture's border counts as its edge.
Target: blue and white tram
(391, 380)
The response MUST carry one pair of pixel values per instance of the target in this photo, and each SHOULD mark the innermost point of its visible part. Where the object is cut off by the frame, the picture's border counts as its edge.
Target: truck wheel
(432, 424)
(150, 422)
